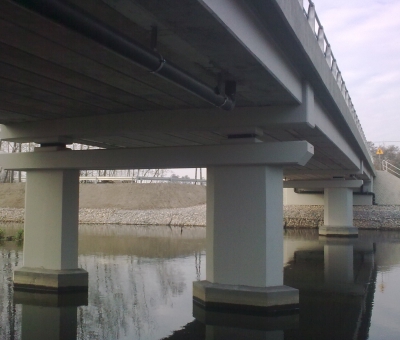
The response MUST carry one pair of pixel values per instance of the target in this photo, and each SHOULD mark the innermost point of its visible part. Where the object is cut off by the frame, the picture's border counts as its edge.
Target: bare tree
(390, 153)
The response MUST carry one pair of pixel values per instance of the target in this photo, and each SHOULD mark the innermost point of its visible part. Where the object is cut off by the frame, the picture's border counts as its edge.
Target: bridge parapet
(318, 30)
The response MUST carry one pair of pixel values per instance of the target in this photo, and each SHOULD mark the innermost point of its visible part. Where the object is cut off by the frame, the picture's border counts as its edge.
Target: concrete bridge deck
(249, 89)
(60, 85)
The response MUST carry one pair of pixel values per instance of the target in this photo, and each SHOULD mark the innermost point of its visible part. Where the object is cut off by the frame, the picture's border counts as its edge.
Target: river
(140, 287)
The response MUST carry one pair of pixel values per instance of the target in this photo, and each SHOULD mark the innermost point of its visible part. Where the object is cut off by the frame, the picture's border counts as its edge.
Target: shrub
(2, 234)
(20, 235)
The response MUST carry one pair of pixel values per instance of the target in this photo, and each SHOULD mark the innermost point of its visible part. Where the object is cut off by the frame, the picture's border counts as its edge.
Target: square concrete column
(244, 251)
(50, 260)
(338, 213)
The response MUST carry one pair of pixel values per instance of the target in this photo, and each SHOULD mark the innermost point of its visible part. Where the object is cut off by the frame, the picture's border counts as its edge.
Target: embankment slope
(124, 196)
(387, 188)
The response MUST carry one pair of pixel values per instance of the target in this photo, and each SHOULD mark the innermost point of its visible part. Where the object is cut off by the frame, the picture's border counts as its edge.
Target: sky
(365, 40)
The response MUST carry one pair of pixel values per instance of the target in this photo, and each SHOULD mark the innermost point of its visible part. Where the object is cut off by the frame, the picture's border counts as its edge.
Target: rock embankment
(189, 216)
(176, 204)
(365, 217)
(383, 217)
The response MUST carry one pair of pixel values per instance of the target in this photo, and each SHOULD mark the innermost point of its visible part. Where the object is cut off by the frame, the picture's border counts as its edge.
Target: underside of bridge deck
(62, 82)
(224, 84)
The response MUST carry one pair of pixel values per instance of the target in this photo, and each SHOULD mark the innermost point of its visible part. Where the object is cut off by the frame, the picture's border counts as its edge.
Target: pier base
(214, 296)
(38, 279)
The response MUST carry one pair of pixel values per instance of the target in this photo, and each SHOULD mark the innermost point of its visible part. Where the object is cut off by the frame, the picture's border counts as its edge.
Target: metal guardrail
(325, 46)
(390, 168)
(140, 179)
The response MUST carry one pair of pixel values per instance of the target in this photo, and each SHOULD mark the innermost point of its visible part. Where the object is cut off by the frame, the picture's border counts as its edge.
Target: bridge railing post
(328, 56)
(311, 16)
(321, 38)
(323, 43)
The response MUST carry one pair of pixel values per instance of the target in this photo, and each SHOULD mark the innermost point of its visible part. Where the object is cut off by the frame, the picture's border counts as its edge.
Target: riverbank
(176, 205)
(374, 217)
(383, 217)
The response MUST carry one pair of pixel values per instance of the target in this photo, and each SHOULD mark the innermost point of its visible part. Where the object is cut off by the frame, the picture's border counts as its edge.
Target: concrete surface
(387, 188)
(274, 298)
(38, 279)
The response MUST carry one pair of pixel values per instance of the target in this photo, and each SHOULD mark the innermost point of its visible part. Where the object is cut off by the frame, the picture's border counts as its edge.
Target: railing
(140, 179)
(390, 168)
(323, 42)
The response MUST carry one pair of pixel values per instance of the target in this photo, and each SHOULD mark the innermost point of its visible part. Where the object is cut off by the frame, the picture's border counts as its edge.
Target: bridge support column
(338, 213)
(245, 241)
(338, 204)
(50, 259)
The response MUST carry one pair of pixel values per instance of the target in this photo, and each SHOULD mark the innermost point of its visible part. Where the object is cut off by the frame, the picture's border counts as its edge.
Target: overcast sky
(365, 39)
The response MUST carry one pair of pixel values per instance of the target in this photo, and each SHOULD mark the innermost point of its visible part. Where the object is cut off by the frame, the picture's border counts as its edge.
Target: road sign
(379, 151)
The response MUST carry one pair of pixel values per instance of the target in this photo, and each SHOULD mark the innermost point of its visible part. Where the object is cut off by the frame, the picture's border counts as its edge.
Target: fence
(392, 169)
(140, 179)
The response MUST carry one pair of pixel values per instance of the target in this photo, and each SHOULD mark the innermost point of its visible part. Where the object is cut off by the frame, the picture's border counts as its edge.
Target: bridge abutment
(50, 261)
(245, 241)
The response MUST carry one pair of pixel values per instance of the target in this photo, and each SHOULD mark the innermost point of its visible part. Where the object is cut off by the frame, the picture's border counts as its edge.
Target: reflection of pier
(49, 316)
(336, 279)
(231, 325)
(217, 325)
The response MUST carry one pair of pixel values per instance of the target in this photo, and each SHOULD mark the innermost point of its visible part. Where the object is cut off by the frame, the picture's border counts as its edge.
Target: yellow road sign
(379, 151)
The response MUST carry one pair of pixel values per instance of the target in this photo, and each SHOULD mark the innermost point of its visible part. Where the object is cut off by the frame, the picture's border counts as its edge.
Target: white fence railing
(323, 42)
(140, 179)
(388, 167)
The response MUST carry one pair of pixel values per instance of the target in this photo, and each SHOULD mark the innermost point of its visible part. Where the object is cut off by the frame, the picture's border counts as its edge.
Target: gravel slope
(383, 217)
(365, 217)
(178, 204)
(127, 196)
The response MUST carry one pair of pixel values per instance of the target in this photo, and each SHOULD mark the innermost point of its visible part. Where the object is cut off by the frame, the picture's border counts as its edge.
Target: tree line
(391, 154)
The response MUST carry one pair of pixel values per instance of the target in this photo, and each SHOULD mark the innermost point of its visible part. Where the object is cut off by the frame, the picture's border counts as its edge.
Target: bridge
(248, 89)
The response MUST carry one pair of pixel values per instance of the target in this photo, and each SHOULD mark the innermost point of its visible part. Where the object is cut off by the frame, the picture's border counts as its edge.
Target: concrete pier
(338, 204)
(51, 233)
(244, 215)
(338, 213)
(244, 241)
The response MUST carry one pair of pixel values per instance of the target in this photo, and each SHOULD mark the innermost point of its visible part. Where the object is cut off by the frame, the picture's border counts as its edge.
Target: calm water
(141, 288)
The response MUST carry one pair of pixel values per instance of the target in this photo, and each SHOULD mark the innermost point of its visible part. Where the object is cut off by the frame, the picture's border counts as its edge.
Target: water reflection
(140, 287)
(49, 316)
(336, 280)
(10, 314)
(225, 325)
(140, 278)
